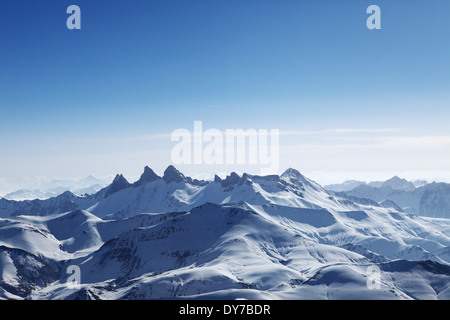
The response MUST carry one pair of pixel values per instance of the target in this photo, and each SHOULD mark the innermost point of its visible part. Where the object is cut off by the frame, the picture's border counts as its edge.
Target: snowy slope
(254, 237)
(229, 251)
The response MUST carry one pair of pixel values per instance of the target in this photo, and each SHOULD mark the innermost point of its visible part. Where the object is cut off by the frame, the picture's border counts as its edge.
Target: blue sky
(76, 102)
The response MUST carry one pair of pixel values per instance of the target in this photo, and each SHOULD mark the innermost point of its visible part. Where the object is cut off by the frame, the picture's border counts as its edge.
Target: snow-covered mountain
(418, 197)
(395, 183)
(431, 200)
(253, 237)
(345, 186)
(23, 194)
(29, 190)
(175, 192)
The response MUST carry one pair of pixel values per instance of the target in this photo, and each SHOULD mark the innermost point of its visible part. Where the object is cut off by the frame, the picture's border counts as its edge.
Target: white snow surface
(273, 237)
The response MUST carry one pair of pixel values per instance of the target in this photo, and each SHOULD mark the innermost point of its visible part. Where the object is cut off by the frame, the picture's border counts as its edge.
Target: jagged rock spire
(118, 184)
(171, 174)
(147, 176)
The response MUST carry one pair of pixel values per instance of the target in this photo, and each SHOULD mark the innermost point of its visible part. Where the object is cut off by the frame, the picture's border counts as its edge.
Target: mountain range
(418, 197)
(21, 189)
(249, 237)
(393, 183)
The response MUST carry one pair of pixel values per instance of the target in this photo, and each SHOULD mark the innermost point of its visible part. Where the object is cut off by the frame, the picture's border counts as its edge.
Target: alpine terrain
(418, 197)
(241, 237)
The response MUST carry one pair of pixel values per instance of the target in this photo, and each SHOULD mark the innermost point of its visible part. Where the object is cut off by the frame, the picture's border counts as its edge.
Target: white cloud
(340, 131)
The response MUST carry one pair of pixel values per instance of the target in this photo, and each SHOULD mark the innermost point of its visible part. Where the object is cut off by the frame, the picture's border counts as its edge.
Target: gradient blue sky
(352, 103)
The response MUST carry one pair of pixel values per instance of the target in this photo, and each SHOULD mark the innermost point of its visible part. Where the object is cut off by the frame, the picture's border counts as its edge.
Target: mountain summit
(397, 183)
(171, 174)
(295, 177)
(118, 184)
(148, 176)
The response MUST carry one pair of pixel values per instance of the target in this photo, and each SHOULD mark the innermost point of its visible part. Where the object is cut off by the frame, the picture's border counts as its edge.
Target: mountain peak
(233, 178)
(395, 179)
(171, 174)
(398, 184)
(67, 195)
(295, 177)
(292, 173)
(118, 184)
(147, 176)
(119, 177)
